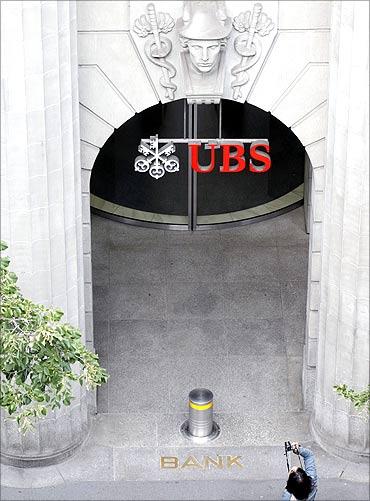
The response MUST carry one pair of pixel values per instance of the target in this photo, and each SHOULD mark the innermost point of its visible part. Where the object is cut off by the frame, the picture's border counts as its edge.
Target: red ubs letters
(233, 159)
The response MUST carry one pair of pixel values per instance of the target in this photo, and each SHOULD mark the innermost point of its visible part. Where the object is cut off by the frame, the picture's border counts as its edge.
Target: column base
(342, 452)
(38, 461)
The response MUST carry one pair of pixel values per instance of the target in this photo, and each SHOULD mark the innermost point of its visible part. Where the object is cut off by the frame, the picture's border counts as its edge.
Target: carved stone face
(204, 54)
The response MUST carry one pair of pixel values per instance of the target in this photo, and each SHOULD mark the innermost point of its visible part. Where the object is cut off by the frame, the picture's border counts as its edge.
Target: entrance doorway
(143, 174)
(224, 308)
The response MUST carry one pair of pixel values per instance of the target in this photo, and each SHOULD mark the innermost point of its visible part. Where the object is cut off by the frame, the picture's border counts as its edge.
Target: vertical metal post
(220, 120)
(194, 174)
(200, 412)
(200, 427)
(190, 170)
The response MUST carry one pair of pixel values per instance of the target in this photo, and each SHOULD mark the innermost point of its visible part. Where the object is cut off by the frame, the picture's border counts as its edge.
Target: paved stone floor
(220, 309)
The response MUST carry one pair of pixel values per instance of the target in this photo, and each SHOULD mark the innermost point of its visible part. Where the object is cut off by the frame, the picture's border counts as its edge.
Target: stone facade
(49, 148)
(297, 56)
(343, 331)
(41, 189)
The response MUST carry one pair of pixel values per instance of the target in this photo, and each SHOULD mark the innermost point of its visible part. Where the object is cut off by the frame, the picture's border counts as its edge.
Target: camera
(288, 447)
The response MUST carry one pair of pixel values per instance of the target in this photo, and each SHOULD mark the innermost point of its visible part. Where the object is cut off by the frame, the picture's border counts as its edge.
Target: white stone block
(52, 122)
(57, 250)
(56, 215)
(85, 180)
(87, 268)
(41, 255)
(36, 126)
(36, 159)
(50, 53)
(60, 301)
(51, 87)
(315, 266)
(71, 242)
(86, 208)
(38, 187)
(364, 251)
(72, 277)
(94, 130)
(116, 57)
(315, 295)
(59, 282)
(312, 84)
(318, 206)
(103, 15)
(313, 126)
(35, 92)
(362, 343)
(319, 178)
(313, 323)
(54, 152)
(89, 329)
(312, 352)
(86, 237)
(363, 313)
(348, 308)
(292, 51)
(88, 297)
(99, 95)
(20, 227)
(348, 277)
(350, 246)
(363, 282)
(55, 188)
(41, 293)
(304, 15)
(88, 155)
(316, 153)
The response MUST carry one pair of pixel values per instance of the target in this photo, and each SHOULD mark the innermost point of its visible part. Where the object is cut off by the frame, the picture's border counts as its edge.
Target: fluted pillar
(41, 189)
(343, 344)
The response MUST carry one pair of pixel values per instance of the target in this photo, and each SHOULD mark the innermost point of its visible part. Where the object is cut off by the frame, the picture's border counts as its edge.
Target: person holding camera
(302, 483)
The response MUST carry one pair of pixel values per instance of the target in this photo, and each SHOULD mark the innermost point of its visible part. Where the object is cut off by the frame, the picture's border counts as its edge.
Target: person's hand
(295, 447)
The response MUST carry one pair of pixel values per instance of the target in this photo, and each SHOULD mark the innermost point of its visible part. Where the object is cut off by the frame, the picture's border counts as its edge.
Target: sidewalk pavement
(102, 473)
(329, 489)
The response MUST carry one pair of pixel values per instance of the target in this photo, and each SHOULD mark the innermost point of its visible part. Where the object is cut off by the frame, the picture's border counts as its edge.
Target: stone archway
(297, 97)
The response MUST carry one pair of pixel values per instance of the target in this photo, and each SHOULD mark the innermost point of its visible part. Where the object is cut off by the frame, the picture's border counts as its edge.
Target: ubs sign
(157, 160)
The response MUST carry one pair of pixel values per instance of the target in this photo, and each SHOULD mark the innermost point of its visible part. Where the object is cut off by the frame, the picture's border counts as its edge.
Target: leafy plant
(360, 399)
(40, 356)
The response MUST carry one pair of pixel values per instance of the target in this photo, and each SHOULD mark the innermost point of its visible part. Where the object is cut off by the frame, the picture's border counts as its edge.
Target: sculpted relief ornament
(204, 30)
(248, 45)
(203, 33)
(158, 47)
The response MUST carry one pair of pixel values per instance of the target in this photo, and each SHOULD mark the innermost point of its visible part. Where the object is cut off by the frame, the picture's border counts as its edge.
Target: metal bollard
(200, 426)
(200, 412)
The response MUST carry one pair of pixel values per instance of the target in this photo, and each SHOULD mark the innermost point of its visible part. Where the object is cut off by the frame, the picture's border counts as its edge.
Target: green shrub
(40, 356)
(360, 399)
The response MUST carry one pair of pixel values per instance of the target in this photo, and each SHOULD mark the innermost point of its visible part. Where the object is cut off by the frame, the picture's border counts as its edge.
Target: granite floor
(220, 309)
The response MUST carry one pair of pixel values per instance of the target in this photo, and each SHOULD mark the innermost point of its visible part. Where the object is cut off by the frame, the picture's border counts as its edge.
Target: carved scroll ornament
(252, 26)
(158, 47)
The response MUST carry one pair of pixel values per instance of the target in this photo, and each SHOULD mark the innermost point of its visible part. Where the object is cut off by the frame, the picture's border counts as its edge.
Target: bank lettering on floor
(201, 463)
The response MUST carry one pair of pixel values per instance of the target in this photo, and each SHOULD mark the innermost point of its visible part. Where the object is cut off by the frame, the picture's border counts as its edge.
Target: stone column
(343, 343)
(41, 189)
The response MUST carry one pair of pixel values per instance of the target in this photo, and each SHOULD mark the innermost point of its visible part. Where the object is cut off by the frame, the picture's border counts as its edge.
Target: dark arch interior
(115, 180)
